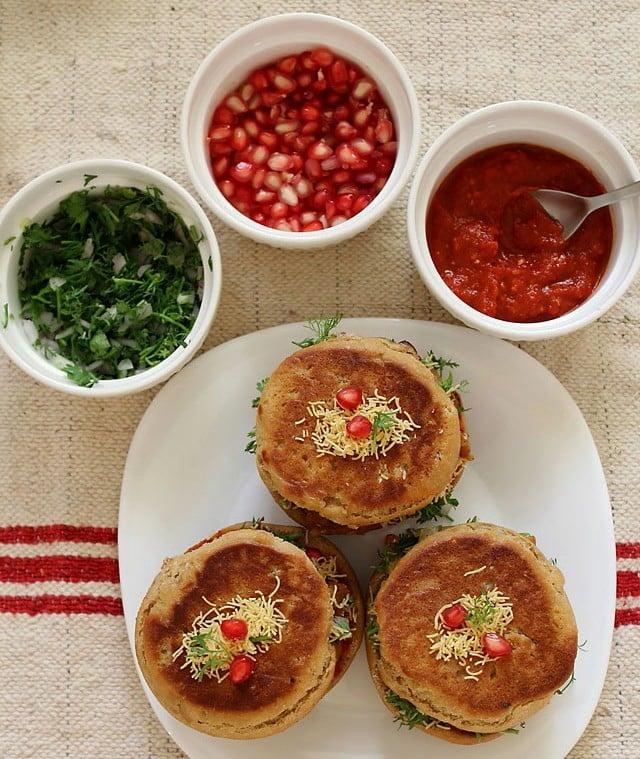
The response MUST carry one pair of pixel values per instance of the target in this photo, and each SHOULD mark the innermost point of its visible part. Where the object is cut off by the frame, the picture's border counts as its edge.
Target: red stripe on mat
(628, 584)
(54, 533)
(58, 569)
(627, 617)
(628, 550)
(34, 605)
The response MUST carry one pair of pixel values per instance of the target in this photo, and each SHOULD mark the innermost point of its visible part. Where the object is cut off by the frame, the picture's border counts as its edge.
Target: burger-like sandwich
(356, 432)
(469, 631)
(244, 633)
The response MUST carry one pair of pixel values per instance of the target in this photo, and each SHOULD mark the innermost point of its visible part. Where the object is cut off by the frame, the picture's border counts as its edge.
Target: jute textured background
(93, 78)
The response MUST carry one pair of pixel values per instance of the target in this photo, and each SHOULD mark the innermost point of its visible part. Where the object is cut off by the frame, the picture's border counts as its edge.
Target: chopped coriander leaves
(437, 509)
(5, 316)
(321, 328)
(406, 712)
(111, 282)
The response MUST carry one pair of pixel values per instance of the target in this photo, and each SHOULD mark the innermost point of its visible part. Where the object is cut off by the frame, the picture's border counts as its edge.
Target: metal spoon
(571, 210)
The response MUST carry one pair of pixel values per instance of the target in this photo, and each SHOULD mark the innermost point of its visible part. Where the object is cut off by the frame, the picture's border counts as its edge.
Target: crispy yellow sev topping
(390, 426)
(491, 611)
(208, 653)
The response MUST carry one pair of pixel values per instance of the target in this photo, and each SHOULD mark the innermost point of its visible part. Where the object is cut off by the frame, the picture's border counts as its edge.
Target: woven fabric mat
(90, 78)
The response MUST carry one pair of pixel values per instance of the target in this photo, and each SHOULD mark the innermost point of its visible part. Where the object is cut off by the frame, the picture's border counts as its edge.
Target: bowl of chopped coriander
(110, 277)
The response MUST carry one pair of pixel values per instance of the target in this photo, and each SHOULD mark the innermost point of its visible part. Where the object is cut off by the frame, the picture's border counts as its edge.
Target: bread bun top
(352, 491)
(474, 559)
(289, 677)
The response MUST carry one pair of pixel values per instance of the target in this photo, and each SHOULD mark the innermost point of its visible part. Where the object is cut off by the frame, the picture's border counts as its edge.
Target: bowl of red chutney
(488, 251)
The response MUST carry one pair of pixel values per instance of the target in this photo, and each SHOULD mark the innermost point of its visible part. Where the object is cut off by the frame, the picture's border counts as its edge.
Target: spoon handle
(627, 191)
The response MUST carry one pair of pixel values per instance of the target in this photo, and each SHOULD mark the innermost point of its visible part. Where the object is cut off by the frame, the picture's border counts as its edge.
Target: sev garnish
(208, 653)
(489, 612)
(390, 426)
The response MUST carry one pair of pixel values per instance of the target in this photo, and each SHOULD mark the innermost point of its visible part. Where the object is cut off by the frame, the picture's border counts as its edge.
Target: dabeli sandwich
(243, 634)
(469, 631)
(355, 432)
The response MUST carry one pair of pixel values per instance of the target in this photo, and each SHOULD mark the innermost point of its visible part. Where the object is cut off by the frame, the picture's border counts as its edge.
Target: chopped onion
(184, 298)
(64, 333)
(87, 251)
(118, 262)
(56, 282)
(142, 269)
(124, 366)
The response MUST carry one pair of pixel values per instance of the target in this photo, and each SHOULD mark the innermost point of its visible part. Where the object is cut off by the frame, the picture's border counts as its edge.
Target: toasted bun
(442, 568)
(344, 494)
(289, 678)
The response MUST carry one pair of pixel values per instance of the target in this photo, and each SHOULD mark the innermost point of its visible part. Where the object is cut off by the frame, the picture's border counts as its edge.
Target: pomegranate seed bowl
(300, 130)
(486, 249)
(110, 278)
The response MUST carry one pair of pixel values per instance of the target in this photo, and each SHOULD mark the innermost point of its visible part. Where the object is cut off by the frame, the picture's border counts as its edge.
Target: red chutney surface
(496, 248)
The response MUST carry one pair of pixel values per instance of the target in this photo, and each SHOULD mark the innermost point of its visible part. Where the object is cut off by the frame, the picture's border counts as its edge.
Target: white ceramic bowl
(37, 201)
(552, 126)
(264, 42)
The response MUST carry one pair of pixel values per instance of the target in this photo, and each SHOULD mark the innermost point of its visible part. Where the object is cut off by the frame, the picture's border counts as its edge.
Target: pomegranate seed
(337, 74)
(273, 180)
(320, 150)
(254, 102)
(258, 178)
(220, 148)
(302, 142)
(236, 103)
(346, 154)
(241, 171)
(282, 127)
(344, 201)
(320, 199)
(389, 148)
(288, 65)
(384, 130)
(365, 177)
(359, 426)
(349, 398)
(265, 196)
(220, 133)
(278, 210)
(312, 226)
(240, 669)
(313, 169)
(220, 166)
(271, 98)
(322, 56)
(339, 177)
(284, 83)
(310, 129)
(259, 80)
(361, 117)
(247, 91)
(269, 139)
(338, 220)
(288, 195)
(282, 225)
(379, 183)
(309, 112)
(344, 130)
(227, 188)
(234, 628)
(495, 645)
(304, 188)
(260, 154)
(240, 139)
(382, 166)
(319, 85)
(329, 164)
(223, 115)
(280, 162)
(454, 616)
(330, 210)
(313, 552)
(362, 146)
(362, 89)
(362, 201)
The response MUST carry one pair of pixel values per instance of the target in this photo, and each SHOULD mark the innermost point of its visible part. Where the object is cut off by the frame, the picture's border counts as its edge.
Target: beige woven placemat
(88, 78)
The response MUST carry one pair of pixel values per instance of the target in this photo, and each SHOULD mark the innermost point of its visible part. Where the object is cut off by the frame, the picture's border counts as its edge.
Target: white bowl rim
(575, 319)
(212, 197)
(211, 288)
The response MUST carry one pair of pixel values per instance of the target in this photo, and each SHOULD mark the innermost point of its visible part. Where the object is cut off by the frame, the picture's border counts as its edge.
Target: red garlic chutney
(304, 143)
(496, 248)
